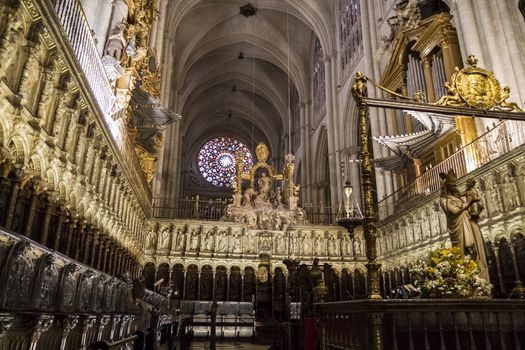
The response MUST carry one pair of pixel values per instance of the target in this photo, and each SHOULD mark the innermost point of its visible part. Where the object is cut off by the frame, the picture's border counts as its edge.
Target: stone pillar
(96, 240)
(60, 225)
(101, 252)
(333, 170)
(79, 240)
(198, 285)
(242, 285)
(70, 232)
(88, 244)
(44, 232)
(227, 285)
(184, 284)
(16, 180)
(110, 257)
(31, 215)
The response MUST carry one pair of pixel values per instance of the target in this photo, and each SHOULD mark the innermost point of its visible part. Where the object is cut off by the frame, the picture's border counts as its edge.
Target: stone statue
(357, 246)
(511, 192)
(276, 220)
(250, 243)
(164, 238)
(194, 240)
(248, 196)
(293, 243)
(264, 183)
(116, 41)
(307, 248)
(319, 245)
(331, 246)
(151, 239)
(235, 244)
(222, 242)
(14, 37)
(265, 221)
(301, 216)
(278, 199)
(208, 241)
(279, 244)
(179, 239)
(463, 229)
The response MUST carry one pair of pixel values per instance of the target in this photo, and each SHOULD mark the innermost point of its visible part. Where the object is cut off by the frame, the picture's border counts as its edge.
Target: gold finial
(262, 152)
(472, 61)
(359, 87)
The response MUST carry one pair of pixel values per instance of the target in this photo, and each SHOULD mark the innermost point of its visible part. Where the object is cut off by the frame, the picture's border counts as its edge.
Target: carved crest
(477, 88)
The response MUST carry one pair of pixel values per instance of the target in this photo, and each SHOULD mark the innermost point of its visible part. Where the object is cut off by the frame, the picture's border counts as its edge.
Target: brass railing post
(359, 91)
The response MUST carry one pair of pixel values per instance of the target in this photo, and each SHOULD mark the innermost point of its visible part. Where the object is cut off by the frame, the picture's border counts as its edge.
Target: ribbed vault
(231, 74)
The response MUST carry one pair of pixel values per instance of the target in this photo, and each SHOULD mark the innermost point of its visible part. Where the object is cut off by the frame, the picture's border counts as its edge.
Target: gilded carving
(477, 88)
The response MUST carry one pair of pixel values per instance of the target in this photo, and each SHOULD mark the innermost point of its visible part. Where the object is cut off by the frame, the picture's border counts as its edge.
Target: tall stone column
(16, 179)
(88, 244)
(44, 232)
(79, 240)
(332, 160)
(31, 214)
(62, 215)
(108, 257)
(70, 232)
(101, 252)
(93, 253)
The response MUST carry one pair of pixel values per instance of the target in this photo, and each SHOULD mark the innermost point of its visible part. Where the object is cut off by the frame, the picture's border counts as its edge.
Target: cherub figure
(473, 195)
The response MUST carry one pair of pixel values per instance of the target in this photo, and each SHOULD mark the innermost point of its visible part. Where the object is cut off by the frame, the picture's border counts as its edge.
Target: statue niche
(264, 199)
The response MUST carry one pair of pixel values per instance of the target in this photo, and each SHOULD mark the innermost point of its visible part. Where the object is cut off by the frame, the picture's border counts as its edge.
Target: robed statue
(462, 212)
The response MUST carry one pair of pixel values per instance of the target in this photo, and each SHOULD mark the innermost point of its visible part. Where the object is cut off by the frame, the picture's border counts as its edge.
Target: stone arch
(221, 281)
(163, 272)
(149, 274)
(17, 149)
(192, 280)
(235, 283)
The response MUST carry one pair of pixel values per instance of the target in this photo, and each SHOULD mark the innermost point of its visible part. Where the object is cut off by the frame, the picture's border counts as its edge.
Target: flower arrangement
(447, 273)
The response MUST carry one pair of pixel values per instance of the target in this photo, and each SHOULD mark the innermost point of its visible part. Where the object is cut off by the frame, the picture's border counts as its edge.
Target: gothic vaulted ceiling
(218, 93)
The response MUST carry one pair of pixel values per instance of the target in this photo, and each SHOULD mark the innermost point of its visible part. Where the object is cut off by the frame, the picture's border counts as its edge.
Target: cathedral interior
(245, 174)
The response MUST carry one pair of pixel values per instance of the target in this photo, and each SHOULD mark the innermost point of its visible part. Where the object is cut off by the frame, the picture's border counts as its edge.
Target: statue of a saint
(307, 248)
(463, 229)
(194, 240)
(151, 240)
(222, 242)
(277, 199)
(319, 246)
(208, 241)
(264, 188)
(249, 193)
(164, 239)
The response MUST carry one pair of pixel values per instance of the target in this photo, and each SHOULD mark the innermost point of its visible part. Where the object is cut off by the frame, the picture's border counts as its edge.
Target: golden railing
(496, 142)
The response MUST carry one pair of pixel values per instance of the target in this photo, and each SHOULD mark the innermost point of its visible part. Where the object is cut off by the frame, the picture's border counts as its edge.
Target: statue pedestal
(292, 200)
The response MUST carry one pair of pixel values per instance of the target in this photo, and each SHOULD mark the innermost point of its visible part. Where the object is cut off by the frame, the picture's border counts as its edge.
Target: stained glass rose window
(217, 158)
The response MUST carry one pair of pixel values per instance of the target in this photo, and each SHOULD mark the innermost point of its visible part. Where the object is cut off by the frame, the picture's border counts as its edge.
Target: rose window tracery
(217, 158)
